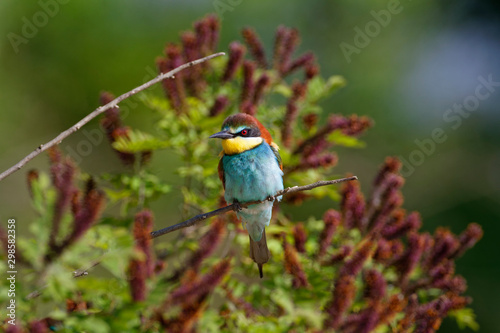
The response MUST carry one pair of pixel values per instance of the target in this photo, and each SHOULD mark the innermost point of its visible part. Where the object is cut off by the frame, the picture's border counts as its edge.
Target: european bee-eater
(250, 169)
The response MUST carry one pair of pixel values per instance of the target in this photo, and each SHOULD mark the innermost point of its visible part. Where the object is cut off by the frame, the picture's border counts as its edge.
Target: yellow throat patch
(238, 144)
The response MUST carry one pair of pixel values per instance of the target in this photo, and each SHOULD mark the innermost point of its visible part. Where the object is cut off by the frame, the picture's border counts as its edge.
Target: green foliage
(466, 318)
(320, 88)
(138, 141)
(340, 139)
(104, 300)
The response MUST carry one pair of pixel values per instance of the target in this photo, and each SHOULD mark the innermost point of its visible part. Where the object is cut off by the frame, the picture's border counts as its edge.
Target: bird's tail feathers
(259, 252)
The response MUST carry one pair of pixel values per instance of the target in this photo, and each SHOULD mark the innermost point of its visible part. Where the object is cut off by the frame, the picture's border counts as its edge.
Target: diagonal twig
(114, 103)
(76, 274)
(202, 217)
(234, 207)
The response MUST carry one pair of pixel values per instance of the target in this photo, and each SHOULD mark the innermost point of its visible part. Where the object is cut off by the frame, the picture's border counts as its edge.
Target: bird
(250, 169)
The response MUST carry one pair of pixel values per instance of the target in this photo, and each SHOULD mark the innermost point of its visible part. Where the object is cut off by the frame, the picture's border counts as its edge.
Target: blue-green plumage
(250, 170)
(254, 174)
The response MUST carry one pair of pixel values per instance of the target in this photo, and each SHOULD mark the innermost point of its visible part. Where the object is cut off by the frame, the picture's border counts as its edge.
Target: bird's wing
(275, 148)
(221, 173)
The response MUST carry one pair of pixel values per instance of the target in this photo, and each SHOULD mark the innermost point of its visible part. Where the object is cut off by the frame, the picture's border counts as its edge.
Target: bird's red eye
(244, 132)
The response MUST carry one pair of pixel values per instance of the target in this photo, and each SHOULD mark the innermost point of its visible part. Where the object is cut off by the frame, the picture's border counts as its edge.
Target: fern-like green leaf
(138, 141)
(465, 318)
(318, 88)
(340, 139)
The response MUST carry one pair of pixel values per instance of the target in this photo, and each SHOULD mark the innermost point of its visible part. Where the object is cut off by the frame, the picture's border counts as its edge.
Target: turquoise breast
(253, 175)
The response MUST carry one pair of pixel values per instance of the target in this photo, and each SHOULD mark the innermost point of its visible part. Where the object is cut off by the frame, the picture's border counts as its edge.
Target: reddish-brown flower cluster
(310, 120)
(31, 177)
(383, 225)
(287, 39)
(193, 286)
(256, 47)
(240, 303)
(339, 256)
(38, 326)
(207, 245)
(63, 172)
(352, 205)
(77, 305)
(354, 265)
(236, 54)
(344, 291)
(85, 207)
(352, 125)
(293, 265)
(292, 109)
(142, 268)
(314, 151)
(331, 218)
(300, 237)
(114, 128)
(248, 88)
(191, 296)
(194, 45)
(193, 290)
(219, 106)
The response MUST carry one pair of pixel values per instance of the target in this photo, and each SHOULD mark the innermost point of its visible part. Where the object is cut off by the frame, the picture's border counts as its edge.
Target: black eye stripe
(250, 132)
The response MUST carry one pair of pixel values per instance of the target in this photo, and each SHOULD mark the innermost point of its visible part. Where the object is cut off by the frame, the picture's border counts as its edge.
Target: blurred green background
(57, 56)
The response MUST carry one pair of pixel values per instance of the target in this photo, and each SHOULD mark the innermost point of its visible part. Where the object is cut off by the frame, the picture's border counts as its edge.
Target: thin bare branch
(202, 217)
(235, 207)
(84, 271)
(114, 103)
(76, 274)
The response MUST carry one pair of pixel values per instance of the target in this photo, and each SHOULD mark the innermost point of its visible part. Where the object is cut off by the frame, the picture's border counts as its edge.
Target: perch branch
(202, 217)
(84, 271)
(235, 207)
(114, 103)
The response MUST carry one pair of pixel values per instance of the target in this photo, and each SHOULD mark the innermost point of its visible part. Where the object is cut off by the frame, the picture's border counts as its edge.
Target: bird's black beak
(222, 135)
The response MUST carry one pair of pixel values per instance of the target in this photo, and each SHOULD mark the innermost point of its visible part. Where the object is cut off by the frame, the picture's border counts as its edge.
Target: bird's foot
(236, 206)
(270, 198)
